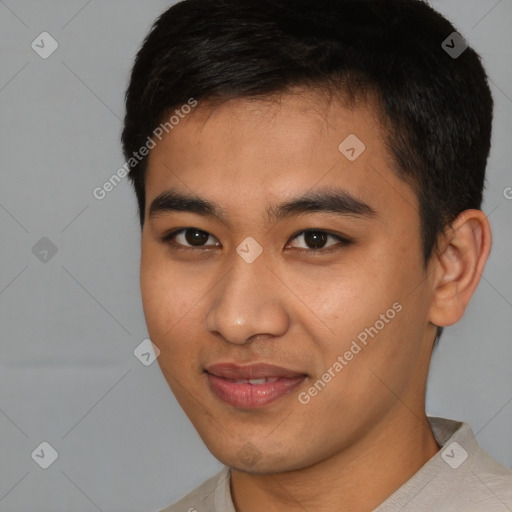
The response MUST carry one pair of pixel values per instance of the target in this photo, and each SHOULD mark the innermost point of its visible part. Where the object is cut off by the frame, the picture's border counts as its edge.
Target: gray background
(69, 325)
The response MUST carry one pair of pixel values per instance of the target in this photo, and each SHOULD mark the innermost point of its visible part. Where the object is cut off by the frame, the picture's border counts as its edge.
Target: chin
(245, 456)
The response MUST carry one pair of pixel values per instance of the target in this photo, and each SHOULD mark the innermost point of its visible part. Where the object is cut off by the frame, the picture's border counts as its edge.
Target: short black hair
(436, 109)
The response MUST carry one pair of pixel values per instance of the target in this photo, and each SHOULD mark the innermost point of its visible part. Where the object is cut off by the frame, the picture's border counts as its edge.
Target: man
(309, 197)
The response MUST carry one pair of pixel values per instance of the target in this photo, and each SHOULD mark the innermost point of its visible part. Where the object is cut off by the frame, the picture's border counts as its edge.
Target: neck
(360, 477)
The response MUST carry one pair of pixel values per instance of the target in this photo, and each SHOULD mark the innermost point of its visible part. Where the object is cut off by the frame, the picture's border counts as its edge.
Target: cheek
(155, 293)
(166, 310)
(164, 292)
(345, 296)
(360, 302)
(173, 304)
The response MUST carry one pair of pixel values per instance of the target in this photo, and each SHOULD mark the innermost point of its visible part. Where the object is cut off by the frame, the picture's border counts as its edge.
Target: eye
(196, 238)
(315, 241)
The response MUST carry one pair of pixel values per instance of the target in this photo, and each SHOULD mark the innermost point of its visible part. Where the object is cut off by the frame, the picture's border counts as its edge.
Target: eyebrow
(327, 200)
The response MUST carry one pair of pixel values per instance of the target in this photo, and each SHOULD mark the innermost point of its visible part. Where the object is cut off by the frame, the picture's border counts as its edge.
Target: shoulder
(461, 476)
(205, 497)
(490, 480)
(471, 478)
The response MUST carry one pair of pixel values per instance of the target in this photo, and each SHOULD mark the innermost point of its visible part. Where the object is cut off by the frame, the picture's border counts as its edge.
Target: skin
(366, 433)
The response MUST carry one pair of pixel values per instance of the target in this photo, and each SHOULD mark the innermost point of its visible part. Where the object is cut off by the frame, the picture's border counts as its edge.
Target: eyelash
(168, 239)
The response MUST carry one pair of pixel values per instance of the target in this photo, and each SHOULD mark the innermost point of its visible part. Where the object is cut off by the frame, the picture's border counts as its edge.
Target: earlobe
(458, 266)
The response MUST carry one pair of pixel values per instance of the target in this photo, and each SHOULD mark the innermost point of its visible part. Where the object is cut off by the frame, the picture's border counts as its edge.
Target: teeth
(256, 382)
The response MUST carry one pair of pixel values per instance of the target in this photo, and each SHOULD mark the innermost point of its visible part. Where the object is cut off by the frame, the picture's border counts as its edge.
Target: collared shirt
(460, 477)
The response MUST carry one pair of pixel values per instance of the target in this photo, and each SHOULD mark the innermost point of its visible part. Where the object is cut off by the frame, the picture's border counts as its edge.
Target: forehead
(254, 151)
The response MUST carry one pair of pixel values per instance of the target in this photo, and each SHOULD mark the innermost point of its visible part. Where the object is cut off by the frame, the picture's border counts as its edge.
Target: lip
(223, 376)
(251, 371)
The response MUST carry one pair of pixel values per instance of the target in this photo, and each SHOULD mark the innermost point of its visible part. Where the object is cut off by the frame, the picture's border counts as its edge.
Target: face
(324, 301)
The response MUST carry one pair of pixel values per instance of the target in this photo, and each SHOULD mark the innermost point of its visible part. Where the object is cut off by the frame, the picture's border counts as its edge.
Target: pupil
(315, 238)
(198, 238)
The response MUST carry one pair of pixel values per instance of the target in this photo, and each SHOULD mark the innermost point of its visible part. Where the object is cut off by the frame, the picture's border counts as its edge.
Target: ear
(458, 265)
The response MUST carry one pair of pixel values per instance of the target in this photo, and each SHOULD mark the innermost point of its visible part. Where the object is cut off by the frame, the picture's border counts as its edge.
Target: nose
(249, 303)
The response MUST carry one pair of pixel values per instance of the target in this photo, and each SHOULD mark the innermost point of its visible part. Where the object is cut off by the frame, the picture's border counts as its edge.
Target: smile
(252, 386)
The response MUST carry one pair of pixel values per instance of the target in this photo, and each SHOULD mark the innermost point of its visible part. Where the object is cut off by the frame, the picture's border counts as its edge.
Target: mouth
(252, 386)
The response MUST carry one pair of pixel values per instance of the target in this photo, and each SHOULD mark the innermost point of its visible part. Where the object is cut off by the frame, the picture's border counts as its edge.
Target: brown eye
(196, 237)
(315, 240)
(188, 238)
